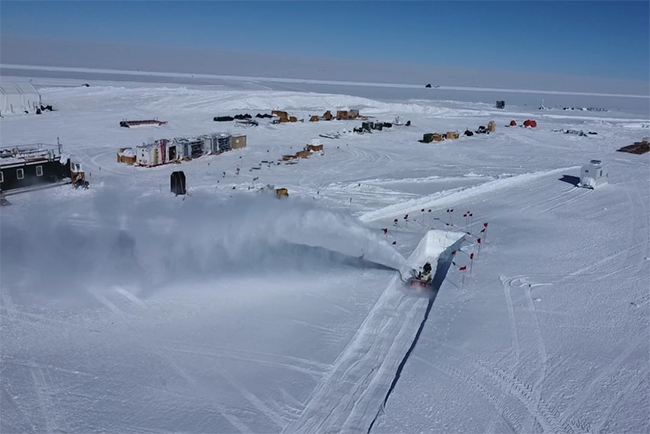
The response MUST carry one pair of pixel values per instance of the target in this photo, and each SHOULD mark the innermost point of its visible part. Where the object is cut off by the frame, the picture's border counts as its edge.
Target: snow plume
(161, 239)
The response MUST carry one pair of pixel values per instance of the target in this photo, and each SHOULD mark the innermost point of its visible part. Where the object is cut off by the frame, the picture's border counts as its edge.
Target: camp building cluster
(165, 151)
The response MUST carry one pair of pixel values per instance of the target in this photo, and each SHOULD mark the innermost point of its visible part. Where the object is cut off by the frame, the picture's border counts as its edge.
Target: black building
(21, 168)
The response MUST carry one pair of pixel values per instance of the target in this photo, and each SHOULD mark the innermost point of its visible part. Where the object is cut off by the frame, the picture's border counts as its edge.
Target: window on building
(2, 178)
(20, 173)
(39, 170)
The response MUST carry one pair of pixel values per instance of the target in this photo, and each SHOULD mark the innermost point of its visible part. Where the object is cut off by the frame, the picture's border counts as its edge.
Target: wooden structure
(327, 116)
(288, 157)
(126, 156)
(637, 148)
(314, 145)
(281, 192)
(78, 176)
(238, 142)
(353, 114)
(314, 119)
(342, 115)
(453, 135)
(303, 154)
(492, 126)
(437, 137)
(144, 123)
(314, 148)
(283, 116)
(428, 138)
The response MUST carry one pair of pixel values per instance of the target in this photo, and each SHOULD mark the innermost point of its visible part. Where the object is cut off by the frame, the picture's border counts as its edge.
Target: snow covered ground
(126, 309)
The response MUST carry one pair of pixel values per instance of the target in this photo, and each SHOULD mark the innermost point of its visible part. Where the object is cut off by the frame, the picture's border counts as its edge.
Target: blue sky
(608, 39)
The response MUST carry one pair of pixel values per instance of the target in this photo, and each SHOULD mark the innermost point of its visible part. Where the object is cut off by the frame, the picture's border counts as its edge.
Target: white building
(593, 174)
(159, 152)
(16, 98)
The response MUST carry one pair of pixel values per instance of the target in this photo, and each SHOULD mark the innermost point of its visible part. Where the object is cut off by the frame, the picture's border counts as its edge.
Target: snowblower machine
(422, 279)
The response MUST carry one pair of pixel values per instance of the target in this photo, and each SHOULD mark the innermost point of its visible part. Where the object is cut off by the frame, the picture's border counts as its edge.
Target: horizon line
(306, 81)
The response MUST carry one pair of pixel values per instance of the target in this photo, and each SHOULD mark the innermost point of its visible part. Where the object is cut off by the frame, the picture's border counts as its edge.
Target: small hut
(178, 183)
(314, 119)
(593, 174)
(282, 115)
(314, 145)
(126, 156)
(238, 142)
(492, 126)
(453, 135)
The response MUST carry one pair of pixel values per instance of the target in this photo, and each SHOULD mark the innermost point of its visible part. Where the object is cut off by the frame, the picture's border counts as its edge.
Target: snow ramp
(347, 400)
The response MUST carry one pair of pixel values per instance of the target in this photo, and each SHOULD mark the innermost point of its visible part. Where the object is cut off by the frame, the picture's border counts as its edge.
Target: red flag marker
(462, 268)
(485, 225)
(471, 256)
(385, 230)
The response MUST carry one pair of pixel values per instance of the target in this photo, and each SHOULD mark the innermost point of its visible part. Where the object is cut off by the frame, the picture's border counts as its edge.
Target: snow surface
(127, 309)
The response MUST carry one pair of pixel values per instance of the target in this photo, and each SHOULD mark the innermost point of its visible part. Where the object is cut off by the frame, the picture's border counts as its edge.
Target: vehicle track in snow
(8, 303)
(609, 370)
(9, 406)
(315, 369)
(199, 387)
(578, 195)
(350, 397)
(613, 403)
(546, 415)
(526, 285)
(48, 402)
(466, 380)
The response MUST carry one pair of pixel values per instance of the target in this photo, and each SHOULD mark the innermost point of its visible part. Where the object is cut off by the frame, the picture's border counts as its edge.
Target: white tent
(18, 98)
